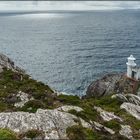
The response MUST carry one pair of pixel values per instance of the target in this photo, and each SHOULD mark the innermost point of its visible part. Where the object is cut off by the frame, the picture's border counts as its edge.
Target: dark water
(68, 50)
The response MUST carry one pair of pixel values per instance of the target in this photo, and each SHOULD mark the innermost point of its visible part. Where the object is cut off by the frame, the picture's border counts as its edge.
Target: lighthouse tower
(130, 66)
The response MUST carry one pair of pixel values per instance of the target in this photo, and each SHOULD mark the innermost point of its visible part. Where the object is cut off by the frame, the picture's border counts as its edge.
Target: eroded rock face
(103, 86)
(107, 116)
(130, 98)
(6, 62)
(126, 131)
(54, 123)
(132, 109)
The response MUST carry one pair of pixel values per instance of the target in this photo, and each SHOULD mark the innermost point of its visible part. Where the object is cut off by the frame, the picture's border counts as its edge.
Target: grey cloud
(68, 5)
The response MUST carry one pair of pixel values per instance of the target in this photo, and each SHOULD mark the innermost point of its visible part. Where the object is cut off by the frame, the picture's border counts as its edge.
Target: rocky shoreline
(32, 110)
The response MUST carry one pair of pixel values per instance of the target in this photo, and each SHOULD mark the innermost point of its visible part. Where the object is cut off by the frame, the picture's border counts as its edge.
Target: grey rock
(107, 116)
(24, 98)
(52, 122)
(126, 131)
(66, 108)
(6, 62)
(130, 98)
(101, 127)
(103, 86)
(132, 109)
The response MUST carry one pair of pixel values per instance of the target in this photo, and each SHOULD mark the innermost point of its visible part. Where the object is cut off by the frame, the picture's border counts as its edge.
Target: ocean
(67, 49)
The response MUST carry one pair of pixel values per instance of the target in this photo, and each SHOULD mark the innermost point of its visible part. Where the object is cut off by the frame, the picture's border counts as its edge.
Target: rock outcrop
(52, 122)
(103, 86)
(6, 62)
(132, 109)
(110, 84)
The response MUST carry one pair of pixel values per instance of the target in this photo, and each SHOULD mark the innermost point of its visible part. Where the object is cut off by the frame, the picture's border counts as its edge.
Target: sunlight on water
(41, 15)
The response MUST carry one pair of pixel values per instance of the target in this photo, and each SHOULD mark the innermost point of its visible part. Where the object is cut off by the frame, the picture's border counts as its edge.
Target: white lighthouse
(132, 70)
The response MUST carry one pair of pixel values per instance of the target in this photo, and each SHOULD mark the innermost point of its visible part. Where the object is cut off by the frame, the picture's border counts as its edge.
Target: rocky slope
(32, 110)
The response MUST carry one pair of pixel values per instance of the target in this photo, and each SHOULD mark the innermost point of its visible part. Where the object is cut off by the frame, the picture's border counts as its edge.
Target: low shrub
(33, 133)
(77, 132)
(32, 106)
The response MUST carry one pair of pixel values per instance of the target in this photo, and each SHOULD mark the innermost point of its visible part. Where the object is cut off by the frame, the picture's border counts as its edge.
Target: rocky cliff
(32, 110)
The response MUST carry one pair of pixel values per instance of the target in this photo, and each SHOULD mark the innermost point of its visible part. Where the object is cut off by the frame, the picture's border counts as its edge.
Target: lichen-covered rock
(66, 108)
(126, 131)
(132, 109)
(102, 128)
(52, 122)
(103, 86)
(107, 116)
(131, 98)
(24, 98)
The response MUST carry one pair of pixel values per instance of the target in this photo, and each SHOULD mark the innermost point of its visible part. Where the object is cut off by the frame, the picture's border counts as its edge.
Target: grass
(69, 99)
(77, 132)
(6, 134)
(113, 124)
(12, 82)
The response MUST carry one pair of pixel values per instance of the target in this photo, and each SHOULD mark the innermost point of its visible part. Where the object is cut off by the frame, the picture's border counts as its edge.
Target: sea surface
(68, 50)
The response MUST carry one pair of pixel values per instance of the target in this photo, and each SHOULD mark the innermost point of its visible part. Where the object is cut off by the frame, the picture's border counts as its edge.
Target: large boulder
(103, 86)
(112, 83)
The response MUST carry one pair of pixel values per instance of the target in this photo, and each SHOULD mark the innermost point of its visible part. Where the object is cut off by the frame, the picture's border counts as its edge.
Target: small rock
(66, 108)
(126, 131)
(132, 109)
(130, 98)
(100, 127)
(24, 97)
(107, 116)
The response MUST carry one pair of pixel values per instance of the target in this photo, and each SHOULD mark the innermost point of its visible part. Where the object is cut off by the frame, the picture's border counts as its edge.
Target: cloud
(68, 5)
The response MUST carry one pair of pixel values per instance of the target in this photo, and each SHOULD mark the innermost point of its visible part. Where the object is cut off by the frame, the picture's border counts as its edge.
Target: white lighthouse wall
(129, 71)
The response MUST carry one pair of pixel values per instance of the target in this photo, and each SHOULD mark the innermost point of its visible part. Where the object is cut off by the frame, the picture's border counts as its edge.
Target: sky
(68, 5)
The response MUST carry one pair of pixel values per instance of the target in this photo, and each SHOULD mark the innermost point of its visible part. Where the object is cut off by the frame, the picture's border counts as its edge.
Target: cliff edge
(29, 109)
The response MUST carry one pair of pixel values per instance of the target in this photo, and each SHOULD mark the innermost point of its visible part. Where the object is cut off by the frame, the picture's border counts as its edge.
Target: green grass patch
(6, 134)
(113, 124)
(69, 99)
(77, 132)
